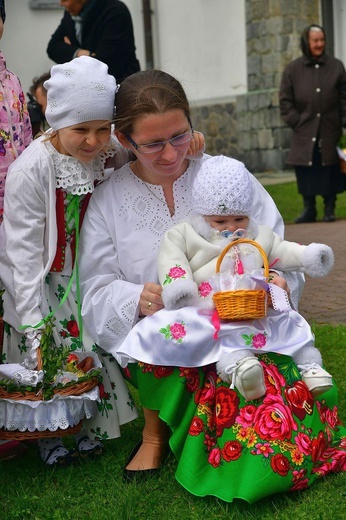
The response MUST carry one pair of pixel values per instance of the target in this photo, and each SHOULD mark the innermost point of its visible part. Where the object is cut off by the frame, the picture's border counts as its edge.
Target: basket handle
(244, 241)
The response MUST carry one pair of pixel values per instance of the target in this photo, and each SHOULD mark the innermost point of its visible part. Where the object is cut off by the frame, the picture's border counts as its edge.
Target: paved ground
(323, 299)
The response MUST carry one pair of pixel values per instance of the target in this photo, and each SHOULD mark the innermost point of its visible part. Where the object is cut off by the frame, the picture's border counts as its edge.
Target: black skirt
(320, 180)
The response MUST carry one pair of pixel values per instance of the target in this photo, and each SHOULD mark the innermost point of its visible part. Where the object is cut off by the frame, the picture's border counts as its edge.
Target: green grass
(95, 490)
(290, 202)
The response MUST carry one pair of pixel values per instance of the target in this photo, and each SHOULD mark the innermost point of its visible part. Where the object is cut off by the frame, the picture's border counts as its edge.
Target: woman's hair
(147, 92)
(304, 39)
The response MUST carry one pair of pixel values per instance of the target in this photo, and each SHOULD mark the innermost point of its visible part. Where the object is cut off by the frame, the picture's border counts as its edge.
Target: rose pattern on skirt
(270, 429)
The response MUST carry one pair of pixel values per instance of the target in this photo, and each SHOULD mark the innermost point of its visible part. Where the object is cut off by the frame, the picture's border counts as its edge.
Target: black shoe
(329, 215)
(130, 475)
(308, 215)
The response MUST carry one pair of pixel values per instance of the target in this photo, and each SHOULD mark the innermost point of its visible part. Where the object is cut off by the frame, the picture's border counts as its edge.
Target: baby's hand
(197, 145)
(279, 281)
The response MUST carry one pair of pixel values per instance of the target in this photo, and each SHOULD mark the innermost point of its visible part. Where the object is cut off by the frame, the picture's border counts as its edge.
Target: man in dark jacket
(99, 28)
(313, 104)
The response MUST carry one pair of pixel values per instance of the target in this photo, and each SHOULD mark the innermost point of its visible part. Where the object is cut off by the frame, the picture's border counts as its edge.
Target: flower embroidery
(231, 450)
(176, 332)
(71, 330)
(196, 427)
(280, 464)
(267, 429)
(204, 289)
(174, 274)
(258, 340)
(192, 379)
(226, 409)
(104, 406)
(273, 419)
(262, 449)
(215, 457)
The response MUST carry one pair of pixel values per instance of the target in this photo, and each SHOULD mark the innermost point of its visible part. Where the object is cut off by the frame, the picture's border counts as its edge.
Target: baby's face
(227, 222)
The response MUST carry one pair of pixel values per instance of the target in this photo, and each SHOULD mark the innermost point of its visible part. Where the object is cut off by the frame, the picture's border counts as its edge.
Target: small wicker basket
(241, 304)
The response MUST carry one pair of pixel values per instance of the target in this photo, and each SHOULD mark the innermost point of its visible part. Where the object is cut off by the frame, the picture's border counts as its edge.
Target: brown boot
(148, 455)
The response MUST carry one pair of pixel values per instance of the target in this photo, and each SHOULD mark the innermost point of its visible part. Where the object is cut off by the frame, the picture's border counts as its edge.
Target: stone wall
(218, 122)
(250, 127)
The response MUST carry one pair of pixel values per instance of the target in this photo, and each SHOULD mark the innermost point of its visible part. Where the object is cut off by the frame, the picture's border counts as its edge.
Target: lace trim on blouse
(76, 177)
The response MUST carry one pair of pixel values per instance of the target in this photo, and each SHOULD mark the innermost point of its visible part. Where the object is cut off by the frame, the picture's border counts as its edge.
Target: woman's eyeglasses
(177, 141)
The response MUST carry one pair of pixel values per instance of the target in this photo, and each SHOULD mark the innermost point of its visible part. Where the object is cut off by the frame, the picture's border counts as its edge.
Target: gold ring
(149, 305)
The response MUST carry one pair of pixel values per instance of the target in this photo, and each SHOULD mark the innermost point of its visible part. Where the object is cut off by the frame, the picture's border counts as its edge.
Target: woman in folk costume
(183, 334)
(224, 446)
(48, 188)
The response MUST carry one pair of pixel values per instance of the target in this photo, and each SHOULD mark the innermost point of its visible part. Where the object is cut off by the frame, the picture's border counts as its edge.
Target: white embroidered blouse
(121, 235)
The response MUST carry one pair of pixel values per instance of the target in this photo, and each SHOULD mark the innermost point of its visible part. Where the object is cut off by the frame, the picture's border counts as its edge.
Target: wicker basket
(77, 388)
(73, 389)
(241, 304)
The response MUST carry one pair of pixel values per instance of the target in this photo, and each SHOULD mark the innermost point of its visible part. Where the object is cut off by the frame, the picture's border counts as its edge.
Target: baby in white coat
(222, 202)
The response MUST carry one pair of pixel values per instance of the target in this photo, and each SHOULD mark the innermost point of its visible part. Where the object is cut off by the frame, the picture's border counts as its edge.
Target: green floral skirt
(231, 448)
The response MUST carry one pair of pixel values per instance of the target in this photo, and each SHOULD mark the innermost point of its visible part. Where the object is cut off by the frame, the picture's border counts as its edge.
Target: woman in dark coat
(313, 104)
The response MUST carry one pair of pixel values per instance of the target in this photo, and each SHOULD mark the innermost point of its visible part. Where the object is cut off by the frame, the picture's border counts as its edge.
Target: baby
(222, 207)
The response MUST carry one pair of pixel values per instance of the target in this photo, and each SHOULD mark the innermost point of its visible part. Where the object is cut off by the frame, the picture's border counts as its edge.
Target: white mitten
(179, 294)
(318, 260)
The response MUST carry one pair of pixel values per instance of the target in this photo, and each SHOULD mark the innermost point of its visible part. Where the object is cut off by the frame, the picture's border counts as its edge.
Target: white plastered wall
(201, 42)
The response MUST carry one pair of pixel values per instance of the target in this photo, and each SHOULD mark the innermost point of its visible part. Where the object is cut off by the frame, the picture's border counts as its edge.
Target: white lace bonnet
(222, 186)
(79, 91)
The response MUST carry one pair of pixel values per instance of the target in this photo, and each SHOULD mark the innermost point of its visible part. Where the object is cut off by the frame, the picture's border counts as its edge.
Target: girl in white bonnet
(221, 204)
(47, 191)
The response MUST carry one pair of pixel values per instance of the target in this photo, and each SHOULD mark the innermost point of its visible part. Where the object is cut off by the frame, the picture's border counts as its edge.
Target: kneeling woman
(217, 437)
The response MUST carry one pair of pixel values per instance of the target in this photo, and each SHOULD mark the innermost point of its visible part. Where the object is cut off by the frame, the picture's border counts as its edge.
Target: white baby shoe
(316, 378)
(247, 375)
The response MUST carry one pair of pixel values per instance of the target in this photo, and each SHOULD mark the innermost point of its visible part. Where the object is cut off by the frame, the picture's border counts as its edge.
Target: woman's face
(153, 128)
(83, 141)
(316, 43)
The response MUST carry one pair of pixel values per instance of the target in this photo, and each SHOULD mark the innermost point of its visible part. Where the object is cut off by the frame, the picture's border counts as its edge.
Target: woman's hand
(197, 145)
(150, 300)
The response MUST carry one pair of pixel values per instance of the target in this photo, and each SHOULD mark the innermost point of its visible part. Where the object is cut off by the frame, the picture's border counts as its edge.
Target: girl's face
(227, 222)
(152, 128)
(83, 141)
(316, 43)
